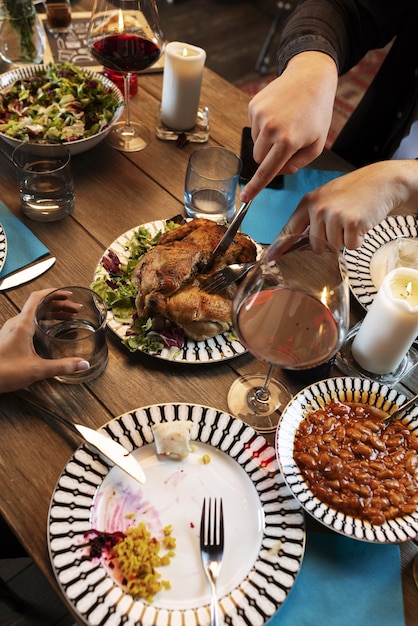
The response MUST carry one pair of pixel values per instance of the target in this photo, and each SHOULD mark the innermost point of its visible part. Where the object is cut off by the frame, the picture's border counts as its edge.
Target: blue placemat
(271, 209)
(23, 247)
(344, 582)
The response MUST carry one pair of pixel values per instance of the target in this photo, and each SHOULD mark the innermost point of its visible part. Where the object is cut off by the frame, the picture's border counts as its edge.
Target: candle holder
(198, 134)
(347, 364)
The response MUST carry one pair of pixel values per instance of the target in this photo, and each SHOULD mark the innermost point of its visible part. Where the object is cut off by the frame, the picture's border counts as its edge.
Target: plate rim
(3, 256)
(358, 260)
(219, 341)
(393, 531)
(255, 455)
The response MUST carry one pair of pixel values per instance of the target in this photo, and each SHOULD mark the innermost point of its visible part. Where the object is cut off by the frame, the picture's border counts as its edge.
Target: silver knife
(229, 235)
(27, 274)
(113, 450)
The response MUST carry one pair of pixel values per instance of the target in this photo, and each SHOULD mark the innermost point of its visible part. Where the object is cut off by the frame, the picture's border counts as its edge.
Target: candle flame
(409, 290)
(185, 52)
(121, 24)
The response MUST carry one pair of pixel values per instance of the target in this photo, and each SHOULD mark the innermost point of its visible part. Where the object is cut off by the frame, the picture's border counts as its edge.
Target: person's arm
(343, 210)
(20, 366)
(290, 118)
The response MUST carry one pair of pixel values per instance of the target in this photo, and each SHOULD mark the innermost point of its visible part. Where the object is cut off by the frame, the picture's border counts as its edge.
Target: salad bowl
(34, 116)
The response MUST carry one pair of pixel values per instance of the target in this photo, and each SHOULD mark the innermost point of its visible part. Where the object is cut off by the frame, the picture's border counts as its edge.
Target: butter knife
(229, 235)
(111, 449)
(27, 274)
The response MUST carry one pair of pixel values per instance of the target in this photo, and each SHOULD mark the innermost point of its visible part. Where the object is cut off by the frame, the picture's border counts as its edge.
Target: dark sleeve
(344, 29)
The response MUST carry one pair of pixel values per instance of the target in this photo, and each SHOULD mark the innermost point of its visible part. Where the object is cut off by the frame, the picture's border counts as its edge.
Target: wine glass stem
(259, 397)
(127, 90)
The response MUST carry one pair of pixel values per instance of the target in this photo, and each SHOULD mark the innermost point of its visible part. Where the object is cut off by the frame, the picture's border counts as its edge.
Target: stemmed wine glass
(125, 36)
(292, 311)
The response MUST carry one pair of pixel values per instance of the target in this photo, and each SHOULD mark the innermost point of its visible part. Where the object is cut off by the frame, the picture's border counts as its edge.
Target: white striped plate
(313, 398)
(264, 524)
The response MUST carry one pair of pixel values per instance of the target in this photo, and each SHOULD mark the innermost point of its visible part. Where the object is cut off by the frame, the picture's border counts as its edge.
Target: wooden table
(115, 192)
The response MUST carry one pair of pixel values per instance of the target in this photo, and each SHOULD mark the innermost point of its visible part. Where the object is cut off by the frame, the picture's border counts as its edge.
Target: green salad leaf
(61, 103)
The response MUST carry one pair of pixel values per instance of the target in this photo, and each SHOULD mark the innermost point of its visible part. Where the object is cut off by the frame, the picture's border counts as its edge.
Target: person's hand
(290, 118)
(343, 210)
(20, 366)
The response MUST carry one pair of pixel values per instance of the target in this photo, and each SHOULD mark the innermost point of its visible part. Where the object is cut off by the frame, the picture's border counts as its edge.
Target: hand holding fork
(211, 549)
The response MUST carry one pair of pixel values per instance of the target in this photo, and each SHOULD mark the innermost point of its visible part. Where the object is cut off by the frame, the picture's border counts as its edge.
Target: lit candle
(391, 324)
(182, 81)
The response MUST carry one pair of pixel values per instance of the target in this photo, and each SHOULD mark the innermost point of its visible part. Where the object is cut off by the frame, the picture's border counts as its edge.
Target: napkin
(23, 248)
(271, 208)
(345, 582)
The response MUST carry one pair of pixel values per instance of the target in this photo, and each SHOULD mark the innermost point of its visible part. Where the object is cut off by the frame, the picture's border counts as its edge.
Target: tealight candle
(182, 81)
(391, 324)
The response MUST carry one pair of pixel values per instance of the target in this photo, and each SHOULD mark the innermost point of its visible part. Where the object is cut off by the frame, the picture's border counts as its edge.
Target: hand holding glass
(292, 310)
(126, 37)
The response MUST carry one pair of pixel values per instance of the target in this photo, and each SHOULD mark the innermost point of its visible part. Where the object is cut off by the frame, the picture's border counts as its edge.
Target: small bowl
(312, 398)
(79, 145)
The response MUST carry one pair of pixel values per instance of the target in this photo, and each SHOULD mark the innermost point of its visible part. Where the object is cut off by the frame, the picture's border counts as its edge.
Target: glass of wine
(292, 311)
(125, 36)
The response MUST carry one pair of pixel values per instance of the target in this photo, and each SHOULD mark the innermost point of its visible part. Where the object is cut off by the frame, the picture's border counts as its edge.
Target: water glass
(71, 321)
(58, 15)
(211, 184)
(45, 180)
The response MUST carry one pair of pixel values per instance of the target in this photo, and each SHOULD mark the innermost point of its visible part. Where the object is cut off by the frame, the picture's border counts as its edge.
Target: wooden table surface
(114, 192)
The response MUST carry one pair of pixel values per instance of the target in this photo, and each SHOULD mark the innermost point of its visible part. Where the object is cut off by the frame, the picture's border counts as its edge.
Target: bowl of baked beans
(349, 467)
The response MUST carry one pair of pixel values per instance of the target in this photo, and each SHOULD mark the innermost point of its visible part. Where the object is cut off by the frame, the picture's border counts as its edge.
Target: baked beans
(355, 462)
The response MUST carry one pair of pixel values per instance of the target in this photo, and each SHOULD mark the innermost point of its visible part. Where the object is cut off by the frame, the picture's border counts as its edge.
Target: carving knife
(229, 235)
(27, 274)
(113, 450)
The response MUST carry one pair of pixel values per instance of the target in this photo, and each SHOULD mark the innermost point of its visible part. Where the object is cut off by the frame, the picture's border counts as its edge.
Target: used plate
(3, 247)
(313, 398)
(219, 348)
(366, 263)
(264, 524)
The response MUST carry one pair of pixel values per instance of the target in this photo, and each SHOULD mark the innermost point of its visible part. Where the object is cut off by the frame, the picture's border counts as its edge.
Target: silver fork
(222, 278)
(212, 549)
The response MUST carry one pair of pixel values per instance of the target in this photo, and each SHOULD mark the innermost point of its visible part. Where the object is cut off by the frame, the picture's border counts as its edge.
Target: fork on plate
(212, 549)
(222, 278)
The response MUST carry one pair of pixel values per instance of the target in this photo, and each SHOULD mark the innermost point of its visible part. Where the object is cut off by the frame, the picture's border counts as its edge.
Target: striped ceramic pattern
(358, 261)
(3, 247)
(313, 398)
(220, 348)
(88, 586)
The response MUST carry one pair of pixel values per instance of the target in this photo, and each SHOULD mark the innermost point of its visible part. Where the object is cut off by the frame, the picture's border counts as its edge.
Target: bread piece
(172, 438)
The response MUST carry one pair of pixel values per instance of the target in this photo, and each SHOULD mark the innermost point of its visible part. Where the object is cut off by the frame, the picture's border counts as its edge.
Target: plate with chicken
(150, 278)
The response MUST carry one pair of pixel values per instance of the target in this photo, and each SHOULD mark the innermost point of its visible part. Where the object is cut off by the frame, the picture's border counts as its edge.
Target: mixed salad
(116, 288)
(61, 103)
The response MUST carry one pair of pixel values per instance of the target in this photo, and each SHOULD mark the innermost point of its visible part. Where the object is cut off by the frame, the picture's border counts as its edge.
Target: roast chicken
(168, 277)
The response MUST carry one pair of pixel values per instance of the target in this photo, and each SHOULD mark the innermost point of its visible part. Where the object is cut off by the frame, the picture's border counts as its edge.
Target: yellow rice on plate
(138, 557)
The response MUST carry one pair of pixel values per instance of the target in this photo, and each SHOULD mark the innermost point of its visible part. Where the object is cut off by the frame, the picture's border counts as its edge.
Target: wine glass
(125, 36)
(292, 311)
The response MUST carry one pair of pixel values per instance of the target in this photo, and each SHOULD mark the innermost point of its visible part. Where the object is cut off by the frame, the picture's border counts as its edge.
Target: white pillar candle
(182, 81)
(391, 324)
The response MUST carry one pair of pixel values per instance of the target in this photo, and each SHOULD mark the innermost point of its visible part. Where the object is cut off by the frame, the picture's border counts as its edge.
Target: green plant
(21, 14)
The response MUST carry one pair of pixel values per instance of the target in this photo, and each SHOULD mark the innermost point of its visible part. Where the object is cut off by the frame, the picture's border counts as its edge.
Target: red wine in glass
(126, 37)
(126, 52)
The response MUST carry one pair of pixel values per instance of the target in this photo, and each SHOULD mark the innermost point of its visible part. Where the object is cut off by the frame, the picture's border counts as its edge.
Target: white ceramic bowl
(312, 398)
(79, 145)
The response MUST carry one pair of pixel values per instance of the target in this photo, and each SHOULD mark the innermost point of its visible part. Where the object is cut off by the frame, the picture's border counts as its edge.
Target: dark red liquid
(126, 52)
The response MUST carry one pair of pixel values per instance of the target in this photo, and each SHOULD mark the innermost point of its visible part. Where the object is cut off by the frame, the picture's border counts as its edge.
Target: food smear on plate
(401, 252)
(355, 462)
(135, 556)
(62, 103)
(157, 291)
(172, 438)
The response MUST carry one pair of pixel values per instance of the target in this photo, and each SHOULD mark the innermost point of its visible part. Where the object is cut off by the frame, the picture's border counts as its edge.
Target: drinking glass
(292, 311)
(71, 321)
(125, 36)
